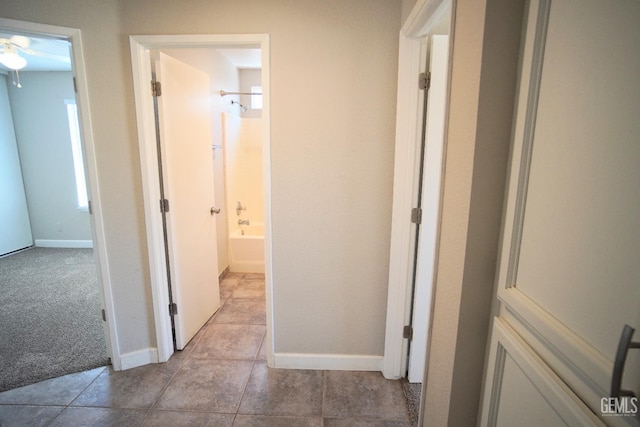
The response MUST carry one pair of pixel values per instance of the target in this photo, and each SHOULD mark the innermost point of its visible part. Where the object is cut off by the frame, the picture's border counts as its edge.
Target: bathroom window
(76, 150)
(256, 100)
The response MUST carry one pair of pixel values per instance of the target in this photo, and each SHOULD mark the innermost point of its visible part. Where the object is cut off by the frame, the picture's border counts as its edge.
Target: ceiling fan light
(12, 61)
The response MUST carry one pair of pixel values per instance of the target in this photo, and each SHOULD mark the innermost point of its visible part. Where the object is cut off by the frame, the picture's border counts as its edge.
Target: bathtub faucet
(243, 222)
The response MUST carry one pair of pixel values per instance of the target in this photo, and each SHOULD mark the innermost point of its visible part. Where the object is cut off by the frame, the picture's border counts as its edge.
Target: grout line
(264, 337)
(324, 393)
(104, 369)
(244, 390)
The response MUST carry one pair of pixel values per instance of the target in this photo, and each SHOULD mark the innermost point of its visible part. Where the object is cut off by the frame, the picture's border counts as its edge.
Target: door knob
(214, 211)
(624, 345)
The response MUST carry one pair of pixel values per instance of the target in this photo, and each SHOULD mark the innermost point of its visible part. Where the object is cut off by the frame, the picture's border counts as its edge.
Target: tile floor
(220, 379)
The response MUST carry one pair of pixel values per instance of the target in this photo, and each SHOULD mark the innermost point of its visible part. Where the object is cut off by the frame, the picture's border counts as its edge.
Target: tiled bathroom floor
(220, 379)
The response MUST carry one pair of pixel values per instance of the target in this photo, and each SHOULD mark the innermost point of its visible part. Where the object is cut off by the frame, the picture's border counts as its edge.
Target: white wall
(44, 143)
(331, 156)
(243, 153)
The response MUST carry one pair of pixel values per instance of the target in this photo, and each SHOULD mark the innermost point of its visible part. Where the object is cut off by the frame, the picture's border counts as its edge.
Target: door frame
(74, 36)
(141, 47)
(421, 22)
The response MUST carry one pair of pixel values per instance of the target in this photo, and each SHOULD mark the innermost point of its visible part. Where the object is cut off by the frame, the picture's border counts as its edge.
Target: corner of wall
(488, 139)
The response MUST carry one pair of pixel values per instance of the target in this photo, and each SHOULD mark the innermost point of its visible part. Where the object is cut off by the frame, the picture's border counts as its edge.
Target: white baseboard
(329, 362)
(138, 358)
(46, 243)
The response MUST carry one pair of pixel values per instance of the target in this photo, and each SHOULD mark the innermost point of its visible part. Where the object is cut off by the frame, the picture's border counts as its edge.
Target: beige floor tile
(207, 385)
(282, 392)
(228, 341)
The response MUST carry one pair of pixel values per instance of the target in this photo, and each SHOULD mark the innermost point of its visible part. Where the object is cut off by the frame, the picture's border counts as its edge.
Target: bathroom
(237, 134)
(242, 151)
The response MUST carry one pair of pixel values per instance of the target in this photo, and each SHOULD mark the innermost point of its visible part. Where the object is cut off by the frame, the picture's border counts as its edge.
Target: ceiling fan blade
(60, 58)
(21, 42)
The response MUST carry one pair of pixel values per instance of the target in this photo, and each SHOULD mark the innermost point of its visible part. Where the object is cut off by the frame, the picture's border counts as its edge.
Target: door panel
(568, 277)
(582, 199)
(522, 391)
(185, 118)
(430, 204)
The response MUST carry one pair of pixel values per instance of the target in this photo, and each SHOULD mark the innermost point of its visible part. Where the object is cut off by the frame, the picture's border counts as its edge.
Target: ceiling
(49, 54)
(243, 58)
(42, 54)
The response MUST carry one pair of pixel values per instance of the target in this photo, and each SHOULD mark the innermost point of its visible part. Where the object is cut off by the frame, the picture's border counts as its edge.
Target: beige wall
(112, 115)
(333, 85)
(407, 6)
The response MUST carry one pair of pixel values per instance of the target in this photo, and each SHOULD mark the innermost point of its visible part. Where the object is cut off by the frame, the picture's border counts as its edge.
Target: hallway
(220, 379)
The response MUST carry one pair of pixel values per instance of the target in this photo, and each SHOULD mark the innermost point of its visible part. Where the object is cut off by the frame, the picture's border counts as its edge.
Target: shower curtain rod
(224, 93)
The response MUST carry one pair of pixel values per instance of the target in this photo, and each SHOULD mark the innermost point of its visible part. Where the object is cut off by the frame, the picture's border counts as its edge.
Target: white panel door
(429, 203)
(15, 228)
(569, 276)
(186, 146)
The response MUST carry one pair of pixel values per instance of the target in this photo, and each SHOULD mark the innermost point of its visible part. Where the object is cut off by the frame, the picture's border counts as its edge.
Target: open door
(562, 349)
(438, 63)
(15, 227)
(187, 184)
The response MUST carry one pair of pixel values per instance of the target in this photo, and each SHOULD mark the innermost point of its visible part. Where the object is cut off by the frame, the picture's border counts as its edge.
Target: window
(76, 150)
(256, 100)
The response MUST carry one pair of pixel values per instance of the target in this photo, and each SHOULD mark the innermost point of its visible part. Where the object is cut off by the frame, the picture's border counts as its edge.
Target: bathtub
(246, 249)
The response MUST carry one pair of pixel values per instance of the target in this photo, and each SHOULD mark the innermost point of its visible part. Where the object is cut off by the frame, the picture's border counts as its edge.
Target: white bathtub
(246, 251)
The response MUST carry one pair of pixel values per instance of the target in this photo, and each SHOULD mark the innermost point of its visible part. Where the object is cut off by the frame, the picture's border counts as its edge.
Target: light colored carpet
(50, 316)
(412, 392)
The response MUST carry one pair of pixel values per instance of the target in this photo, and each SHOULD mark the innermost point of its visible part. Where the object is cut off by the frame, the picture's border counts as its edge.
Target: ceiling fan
(10, 47)
(17, 50)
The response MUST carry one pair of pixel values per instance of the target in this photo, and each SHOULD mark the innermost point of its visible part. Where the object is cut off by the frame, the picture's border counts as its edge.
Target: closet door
(15, 228)
(569, 273)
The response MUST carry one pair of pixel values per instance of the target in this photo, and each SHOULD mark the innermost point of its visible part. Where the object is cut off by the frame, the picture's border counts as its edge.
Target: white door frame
(74, 36)
(425, 15)
(141, 47)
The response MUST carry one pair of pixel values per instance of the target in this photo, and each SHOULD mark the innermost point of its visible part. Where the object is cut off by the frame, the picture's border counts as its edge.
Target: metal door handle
(624, 345)
(215, 211)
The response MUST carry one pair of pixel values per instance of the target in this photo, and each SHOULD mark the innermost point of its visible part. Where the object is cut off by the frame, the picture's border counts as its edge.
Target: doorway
(142, 48)
(54, 262)
(414, 251)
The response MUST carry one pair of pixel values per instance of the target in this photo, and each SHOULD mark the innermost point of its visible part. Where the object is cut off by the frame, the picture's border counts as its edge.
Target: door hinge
(416, 215)
(164, 206)
(104, 315)
(407, 332)
(425, 80)
(90, 207)
(173, 309)
(156, 88)
(75, 85)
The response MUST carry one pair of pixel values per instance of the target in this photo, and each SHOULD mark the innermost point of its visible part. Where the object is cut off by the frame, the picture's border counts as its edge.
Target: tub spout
(243, 222)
